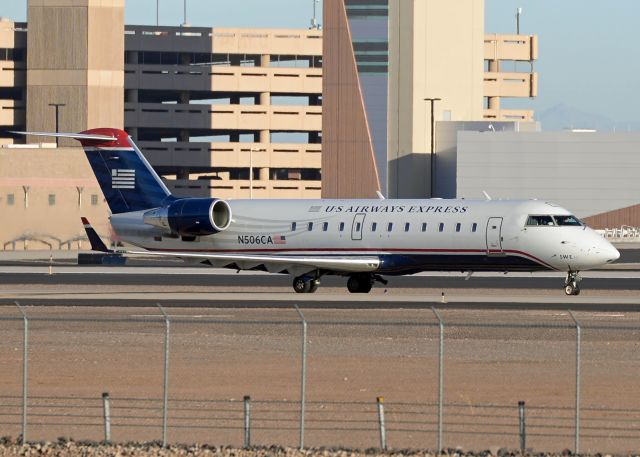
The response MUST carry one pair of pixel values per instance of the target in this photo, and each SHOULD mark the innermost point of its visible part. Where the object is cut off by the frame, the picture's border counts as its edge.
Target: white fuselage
(407, 235)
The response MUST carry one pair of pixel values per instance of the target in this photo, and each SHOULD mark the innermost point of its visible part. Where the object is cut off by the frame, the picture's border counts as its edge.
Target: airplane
(362, 239)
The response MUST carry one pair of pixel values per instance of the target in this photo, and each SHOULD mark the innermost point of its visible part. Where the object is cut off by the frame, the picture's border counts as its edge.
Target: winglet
(94, 239)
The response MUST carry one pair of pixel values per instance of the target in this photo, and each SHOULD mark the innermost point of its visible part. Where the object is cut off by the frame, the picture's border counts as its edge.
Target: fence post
(107, 416)
(165, 385)
(247, 421)
(303, 375)
(523, 430)
(383, 432)
(578, 341)
(440, 377)
(25, 370)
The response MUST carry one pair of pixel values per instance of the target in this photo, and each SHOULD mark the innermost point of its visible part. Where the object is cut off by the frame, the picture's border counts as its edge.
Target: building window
(325, 226)
(474, 227)
(374, 226)
(11, 199)
(94, 199)
(406, 226)
(441, 227)
(310, 226)
(293, 226)
(342, 226)
(52, 199)
(424, 226)
(390, 227)
(458, 227)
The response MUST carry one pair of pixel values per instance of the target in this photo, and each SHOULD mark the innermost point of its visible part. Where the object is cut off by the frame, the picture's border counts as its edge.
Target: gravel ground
(63, 447)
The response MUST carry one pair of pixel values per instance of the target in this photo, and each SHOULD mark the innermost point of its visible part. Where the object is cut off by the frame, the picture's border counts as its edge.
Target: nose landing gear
(572, 283)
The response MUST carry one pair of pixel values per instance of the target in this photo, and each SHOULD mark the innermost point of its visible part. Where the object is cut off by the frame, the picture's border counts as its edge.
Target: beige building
(45, 189)
(230, 113)
(382, 59)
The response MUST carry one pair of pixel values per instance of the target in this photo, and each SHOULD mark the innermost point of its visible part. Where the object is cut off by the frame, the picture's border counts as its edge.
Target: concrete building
(382, 59)
(593, 174)
(208, 107)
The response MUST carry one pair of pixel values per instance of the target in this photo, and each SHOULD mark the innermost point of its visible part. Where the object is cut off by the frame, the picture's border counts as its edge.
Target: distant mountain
(564, 117)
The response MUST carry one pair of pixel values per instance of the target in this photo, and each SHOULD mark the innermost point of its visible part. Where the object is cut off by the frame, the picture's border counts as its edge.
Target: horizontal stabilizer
(76, 136)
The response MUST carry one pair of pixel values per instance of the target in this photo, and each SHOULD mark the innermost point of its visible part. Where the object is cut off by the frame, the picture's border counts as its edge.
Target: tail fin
(127, 180)
(94, 239)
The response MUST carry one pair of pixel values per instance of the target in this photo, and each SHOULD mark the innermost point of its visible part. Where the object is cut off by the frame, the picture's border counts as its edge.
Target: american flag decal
(279, 239)
(315, 209)
(123, 179)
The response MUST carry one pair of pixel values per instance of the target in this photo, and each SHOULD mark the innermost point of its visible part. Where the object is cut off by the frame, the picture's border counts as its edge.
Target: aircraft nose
(607, 252)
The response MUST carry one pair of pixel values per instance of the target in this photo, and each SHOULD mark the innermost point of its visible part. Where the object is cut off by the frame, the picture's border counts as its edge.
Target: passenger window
(474, 227)
(458, 227)
(358, 226)
(540, 220)
(374, 226)
(424, 226)
(567, 220)
(406, 226)
(390, 227)
(325, 226)
(310, 226)
(293, 226)
(342, 226)
(441, 227)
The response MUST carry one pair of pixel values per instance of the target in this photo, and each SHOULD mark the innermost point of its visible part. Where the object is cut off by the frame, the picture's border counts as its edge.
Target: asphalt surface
(229, 279)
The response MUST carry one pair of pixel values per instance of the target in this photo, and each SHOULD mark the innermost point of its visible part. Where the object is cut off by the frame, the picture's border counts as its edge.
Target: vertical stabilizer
(127, 180)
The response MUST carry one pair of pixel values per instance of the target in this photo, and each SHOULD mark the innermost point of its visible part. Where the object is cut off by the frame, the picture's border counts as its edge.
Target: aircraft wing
(297, 265)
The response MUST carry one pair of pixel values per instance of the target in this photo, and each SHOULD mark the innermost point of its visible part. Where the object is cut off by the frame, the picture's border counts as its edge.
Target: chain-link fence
(378, 378)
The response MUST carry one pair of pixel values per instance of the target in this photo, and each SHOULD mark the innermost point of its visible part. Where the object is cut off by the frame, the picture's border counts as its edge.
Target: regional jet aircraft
(363, 240)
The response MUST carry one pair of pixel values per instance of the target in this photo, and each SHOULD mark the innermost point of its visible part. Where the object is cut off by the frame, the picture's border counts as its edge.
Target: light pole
(57, 107)
(432, 160)
(518, 14)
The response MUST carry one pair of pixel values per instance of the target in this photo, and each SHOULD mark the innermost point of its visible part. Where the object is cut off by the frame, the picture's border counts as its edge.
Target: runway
(612, 290)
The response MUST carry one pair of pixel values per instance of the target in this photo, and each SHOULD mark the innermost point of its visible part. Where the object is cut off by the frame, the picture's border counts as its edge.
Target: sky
(588, 49)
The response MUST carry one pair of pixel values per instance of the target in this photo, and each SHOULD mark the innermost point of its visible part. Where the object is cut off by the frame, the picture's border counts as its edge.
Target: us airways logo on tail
(123, 179)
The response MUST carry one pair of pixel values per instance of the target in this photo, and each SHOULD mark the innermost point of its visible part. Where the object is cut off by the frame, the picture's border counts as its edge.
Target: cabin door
(358, 226)
(494, 236)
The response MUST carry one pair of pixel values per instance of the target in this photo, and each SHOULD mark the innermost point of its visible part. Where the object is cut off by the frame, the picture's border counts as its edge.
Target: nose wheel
(572, 284)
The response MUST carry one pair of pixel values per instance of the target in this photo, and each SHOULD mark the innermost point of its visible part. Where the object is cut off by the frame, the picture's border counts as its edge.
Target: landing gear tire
(304, 285)
(359, 284)
(301, 285)
(571, 285)
(572, 289)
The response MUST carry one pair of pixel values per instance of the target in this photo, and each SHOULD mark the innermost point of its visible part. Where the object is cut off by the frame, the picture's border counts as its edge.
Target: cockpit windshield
(547, 220)
(568, 220)
(540, 220)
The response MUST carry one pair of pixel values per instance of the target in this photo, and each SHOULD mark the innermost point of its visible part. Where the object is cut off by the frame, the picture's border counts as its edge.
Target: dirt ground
(217, 356)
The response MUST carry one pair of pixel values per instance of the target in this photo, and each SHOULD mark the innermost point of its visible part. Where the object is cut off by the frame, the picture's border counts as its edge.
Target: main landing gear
(361, 283)
(305, 284)
(572, 283)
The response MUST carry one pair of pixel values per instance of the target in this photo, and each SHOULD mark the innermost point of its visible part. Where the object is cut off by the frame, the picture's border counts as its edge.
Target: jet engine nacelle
(191, 216)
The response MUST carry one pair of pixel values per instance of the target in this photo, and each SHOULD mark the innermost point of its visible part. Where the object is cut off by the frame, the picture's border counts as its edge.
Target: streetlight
(518, 14)
(251, 169)
(432, 160)
(57, 107)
